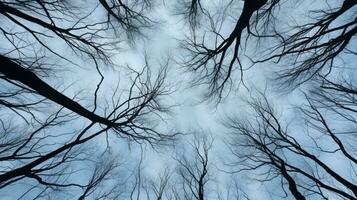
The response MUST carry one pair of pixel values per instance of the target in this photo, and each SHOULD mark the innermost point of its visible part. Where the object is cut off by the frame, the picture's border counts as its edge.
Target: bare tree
(232, 190)
(194, 171)
(214, 55)
(187, 181)
(36, 153)
(160, 188)
(197, 175)
(47, 137)
(83, 35)
(305, 50)
(316, 47)
(57, 145)
(192, 176)
(265, 145)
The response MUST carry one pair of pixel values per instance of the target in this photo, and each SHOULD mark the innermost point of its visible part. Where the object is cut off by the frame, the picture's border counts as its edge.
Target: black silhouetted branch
(191, 10)
(264, 145)
(315, 46)
(215, 58)
(123, 122)
(131, 16)
(194, 171)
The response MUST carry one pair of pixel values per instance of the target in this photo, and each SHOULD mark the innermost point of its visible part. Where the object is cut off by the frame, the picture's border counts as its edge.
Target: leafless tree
(304, 50)
(160, 188)
(213, 55)
(316, 47)
(194, 170)
(39, 153)
(47, 138)
(232, 190)
(54, 145)
(264, 144)
(191, 175)
(196, 174)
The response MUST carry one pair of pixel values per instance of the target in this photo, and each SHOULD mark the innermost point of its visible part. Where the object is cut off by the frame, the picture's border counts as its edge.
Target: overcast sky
(191, 113)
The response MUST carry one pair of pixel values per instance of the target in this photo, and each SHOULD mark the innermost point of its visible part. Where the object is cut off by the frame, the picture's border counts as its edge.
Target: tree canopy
(184, 99)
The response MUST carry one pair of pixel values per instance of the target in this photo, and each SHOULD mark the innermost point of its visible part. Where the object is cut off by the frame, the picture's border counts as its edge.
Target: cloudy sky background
(191, 113)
